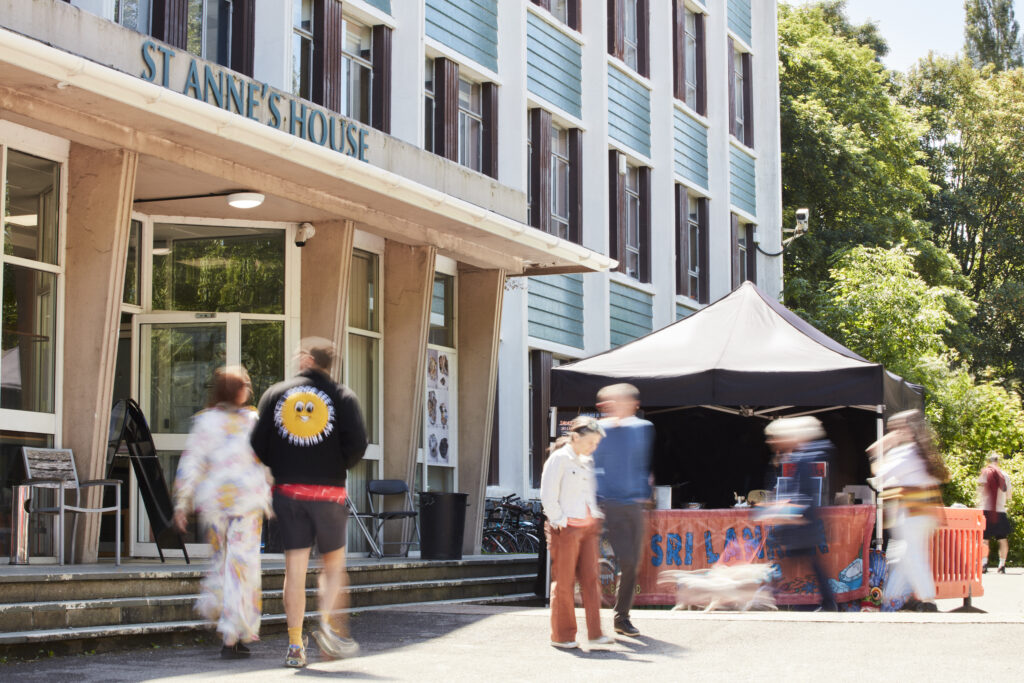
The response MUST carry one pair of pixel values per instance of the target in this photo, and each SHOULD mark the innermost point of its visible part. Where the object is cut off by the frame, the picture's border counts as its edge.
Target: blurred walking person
(622, 463)
(568, 493)
(799, 443)
(310, 433)
(220, 478)
(994, 490)
(908, 470)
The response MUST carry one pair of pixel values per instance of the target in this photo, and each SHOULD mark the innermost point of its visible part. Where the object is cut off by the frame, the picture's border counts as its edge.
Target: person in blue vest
(622, 464)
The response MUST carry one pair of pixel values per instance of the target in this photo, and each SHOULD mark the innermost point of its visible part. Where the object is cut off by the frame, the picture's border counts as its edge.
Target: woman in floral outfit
(220, 477)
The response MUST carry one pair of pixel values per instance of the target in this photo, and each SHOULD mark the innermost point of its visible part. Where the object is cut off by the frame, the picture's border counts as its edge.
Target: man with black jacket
(310, 433)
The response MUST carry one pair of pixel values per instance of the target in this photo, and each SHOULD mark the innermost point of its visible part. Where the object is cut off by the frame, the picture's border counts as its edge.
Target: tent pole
(880, 432)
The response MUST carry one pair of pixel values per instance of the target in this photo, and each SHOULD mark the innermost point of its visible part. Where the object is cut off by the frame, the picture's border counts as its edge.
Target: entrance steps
(67, 610)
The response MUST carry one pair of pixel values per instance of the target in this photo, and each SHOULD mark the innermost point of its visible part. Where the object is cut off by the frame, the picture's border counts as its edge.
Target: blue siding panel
(739, 19)
(742, 181)
(554, 65)
(382, 5)
(555, 309)
(683, 311)
(629, 112)
(691, 147)
(631, 313)
(470, 27)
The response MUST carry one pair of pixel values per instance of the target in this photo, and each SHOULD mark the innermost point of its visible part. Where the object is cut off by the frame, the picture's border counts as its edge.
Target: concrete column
(326, 266)
(101, 186)
(479, 299)
(408, 283)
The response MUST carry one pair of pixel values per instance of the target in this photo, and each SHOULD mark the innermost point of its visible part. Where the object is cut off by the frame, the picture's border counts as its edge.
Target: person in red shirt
(310, 433)
(993, 492)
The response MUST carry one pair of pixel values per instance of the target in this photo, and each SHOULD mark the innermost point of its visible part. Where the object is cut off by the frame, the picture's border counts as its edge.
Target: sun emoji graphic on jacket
(304, 416)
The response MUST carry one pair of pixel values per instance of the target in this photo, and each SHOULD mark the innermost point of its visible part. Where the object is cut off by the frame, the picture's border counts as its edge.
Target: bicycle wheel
(491, 545)
(527, 542)
(609, 581)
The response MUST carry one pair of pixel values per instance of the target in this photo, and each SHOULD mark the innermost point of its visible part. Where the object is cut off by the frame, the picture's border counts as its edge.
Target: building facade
(663, 122)
(439, 182)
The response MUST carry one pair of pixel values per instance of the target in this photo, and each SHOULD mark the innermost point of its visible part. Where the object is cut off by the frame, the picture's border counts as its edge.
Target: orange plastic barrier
(957, 548)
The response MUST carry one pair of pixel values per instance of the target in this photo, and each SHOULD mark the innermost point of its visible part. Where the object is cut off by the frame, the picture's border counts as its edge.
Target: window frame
(540, 174)
(683, 61)
(301, 33)
(744, 258)
(360, 62)
(374, 449)
(448, 116)
(572, 12)
(470, 117)
(618, 220)
(741, 98)
(617, 43)
(690, 283)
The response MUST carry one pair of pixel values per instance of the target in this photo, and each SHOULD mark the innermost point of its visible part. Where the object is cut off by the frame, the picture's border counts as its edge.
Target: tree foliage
(849, 148)
(990, 34)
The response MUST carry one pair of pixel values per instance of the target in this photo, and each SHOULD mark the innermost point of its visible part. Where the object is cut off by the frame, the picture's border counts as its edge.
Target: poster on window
(439, 409)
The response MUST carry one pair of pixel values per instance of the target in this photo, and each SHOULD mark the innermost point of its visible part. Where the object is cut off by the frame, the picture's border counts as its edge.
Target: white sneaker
(602, 643)
(567, 645)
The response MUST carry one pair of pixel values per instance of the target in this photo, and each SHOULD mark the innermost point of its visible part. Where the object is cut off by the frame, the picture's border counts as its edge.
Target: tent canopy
(746, 349)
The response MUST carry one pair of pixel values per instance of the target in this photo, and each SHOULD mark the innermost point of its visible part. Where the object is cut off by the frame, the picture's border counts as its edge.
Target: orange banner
(697, 539)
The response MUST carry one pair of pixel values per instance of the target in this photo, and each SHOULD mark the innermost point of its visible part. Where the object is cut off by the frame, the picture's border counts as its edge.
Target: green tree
(990, 34)
(850, 150)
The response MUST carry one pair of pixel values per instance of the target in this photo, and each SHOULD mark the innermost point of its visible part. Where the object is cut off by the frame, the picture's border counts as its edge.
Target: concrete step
(92, 639)
(63, 614)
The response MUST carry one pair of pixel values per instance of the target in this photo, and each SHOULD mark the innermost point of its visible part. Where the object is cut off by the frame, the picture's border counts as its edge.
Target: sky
(913, 27)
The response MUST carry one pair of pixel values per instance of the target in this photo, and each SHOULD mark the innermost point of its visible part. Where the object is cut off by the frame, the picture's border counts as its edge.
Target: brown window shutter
(616, 28)
(643, 20)
(169, 22)
(540, 366)
(645, 224)
(734, 235)
(327, 43)
(575, 15)
(682, 244)
(751, 254)
(446, 108)
(748, 102)
(732, 86)
(679, 50)
(540, 173)
(702, 68)
(704, 257)
(576, 185)
(381, 88)
(489, 110)
(243, 36)
(616, 211)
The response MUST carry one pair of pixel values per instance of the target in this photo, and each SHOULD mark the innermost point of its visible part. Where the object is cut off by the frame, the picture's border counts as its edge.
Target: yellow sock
(295, 636)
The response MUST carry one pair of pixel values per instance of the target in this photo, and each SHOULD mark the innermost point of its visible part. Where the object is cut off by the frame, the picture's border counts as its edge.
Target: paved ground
(486, 643)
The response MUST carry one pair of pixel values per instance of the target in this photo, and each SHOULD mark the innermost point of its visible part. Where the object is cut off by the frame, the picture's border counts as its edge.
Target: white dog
(738, 587)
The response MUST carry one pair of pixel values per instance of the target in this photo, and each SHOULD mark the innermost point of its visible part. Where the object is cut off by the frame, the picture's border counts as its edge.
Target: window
(356, 71)
(470, 125)
(744, 257)
(302, 48)
(741, 120)
(560, 182)
(628, 33)
(632, 197)
(133, 14)
(553, 180)
(566, 11)
(630, 217)
(460, 117)
(208, 32)
(28, 343)
(442, 311)
(132, 292)
(440, 421)
(428, 108)
(688, 53)
(362, 357)
(691, 245)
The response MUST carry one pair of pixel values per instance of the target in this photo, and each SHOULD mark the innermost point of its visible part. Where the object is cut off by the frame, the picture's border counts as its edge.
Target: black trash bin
(442, 525)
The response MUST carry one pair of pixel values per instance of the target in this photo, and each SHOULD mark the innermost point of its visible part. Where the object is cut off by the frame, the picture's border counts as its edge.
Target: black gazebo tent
(745, 356)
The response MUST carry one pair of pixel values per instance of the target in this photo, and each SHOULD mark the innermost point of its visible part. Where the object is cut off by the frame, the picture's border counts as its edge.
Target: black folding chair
(378, 516)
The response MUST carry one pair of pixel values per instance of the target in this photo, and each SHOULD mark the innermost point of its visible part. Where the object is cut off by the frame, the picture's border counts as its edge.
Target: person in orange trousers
(568, 491)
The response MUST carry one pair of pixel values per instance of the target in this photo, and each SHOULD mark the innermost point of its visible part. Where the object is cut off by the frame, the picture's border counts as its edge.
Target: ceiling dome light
(245, 200)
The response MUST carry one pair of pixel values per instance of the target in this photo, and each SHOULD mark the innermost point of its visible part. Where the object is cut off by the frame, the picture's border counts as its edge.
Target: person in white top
(994, 490)
(909, 471)
(568, 491)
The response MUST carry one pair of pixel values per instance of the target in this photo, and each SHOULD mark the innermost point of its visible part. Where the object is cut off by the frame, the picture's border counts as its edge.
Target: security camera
(304, 233)
(802, 215)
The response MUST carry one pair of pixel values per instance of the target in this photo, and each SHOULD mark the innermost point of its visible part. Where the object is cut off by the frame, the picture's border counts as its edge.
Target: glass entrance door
(177, 354)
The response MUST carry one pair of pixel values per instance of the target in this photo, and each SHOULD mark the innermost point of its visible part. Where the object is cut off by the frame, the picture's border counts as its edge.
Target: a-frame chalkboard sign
(128, 425)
